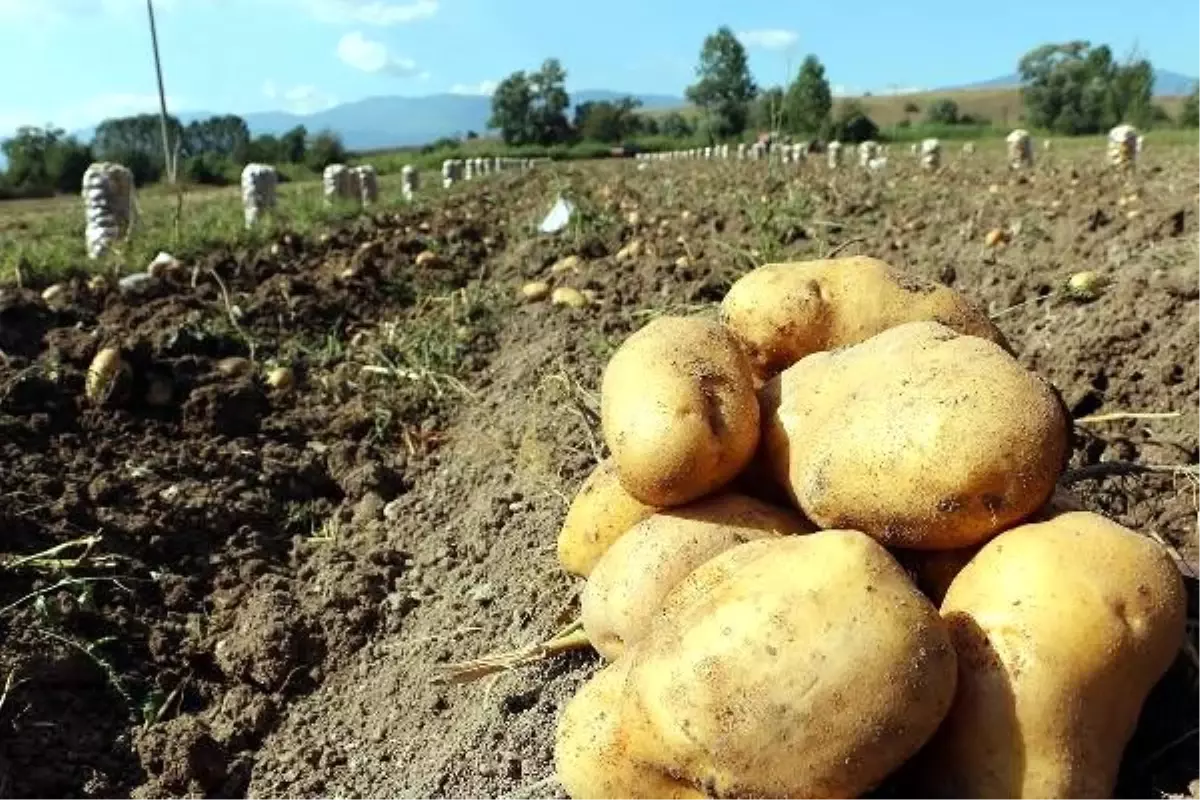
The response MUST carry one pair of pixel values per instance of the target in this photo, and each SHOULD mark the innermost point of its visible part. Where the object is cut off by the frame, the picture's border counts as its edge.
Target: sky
(75, 62)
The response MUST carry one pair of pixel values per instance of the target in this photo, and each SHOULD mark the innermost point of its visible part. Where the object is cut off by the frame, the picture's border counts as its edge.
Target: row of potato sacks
(828, 543)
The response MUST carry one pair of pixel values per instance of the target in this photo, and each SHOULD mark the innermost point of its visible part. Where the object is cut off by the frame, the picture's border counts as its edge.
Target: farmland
(222, 588)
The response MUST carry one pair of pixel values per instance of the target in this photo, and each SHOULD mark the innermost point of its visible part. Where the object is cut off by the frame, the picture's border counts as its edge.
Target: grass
(42, 240)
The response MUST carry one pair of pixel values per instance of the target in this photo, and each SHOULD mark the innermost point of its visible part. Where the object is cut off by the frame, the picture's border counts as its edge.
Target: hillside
(379, 122)
(1002, 107)
(1166, 83)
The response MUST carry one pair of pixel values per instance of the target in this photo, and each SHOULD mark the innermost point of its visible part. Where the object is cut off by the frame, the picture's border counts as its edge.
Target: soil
(214, 587)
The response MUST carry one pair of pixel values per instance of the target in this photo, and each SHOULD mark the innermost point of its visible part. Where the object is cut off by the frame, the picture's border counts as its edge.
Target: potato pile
(770, 473)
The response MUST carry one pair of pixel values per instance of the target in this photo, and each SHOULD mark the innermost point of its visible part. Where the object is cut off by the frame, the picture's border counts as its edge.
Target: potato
(797, 666)
(935, 570)
(629, 582)
(590, 759)
(1062, 628)
(783, 312)
(678, 410)
(600, 514)
(919, 436)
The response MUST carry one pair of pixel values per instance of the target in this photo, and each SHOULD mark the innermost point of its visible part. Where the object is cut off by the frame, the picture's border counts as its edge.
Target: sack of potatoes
(829, 543)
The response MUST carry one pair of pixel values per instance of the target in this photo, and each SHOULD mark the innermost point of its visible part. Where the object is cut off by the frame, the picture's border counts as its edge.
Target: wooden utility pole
(168, 161)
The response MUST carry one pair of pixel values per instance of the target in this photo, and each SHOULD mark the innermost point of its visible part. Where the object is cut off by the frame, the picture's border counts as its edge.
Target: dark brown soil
(254, 589)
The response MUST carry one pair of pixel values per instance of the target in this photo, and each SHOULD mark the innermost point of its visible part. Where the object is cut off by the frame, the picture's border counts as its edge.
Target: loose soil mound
(241, 590)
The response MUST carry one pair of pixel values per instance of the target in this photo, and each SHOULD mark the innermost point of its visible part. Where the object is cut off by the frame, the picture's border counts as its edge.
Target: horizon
(306, 56)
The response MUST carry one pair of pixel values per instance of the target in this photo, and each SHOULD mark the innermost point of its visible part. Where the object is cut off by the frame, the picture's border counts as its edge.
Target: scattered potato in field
(627, 586)
(682, 262)
(535, 290)
(783, 312)
(235, 367)
(566, 296)
(55, 295)
(566, 264)
(797, 666)
(429, 259)
(630, 251)
(995, 237)
(99, 283)
(1086, 286)
(1062, 628)
(919, 436)
(601, 512)
(281, 379)
(678, 410)
(103, 374)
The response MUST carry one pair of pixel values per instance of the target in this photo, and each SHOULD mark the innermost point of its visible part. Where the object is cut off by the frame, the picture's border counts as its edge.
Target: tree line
(1071, 89)
(45, 160)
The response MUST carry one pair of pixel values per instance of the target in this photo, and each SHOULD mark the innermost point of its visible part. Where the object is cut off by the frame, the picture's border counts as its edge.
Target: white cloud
(303, 99)
(769, 38)
(378, 13)
(485, 87)
(368, 55)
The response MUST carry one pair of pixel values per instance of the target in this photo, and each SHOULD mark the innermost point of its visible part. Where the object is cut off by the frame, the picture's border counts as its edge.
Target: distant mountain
(379, 122)
(1166, 83)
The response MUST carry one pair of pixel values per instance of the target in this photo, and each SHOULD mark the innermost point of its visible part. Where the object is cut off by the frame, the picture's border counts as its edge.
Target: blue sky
(74, 62)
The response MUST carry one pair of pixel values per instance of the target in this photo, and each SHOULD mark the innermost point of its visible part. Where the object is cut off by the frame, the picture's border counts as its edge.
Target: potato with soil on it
(628, 585)
(935, 570)
(797, 666)
(590, 757)
(601, 512)
(783, 312)
(678, 410)
(1062, 628)
(919, 436)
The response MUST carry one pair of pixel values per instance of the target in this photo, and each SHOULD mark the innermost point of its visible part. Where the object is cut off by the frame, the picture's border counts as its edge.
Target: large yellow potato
(590, 757)
(1061, 628)
(797, 666)
(935, 570)
(678, 410)
(783, 312)
(600, 513)
(919, 436)
(628, 584)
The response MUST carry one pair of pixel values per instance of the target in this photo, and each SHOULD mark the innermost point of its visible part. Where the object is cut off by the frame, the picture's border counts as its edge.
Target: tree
(852, 124)
(512, 103)
(227, 136)
(548, 110)
(675, 125)
(1074, 88)
(766, 112)
(943, 112)
(1189, 115)
(42, 161)
(911, 108)
(809, 99)
(136, 142)
(603, 121)
(293, 144)
(724, 87)
(265, 149)
(325, 148)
